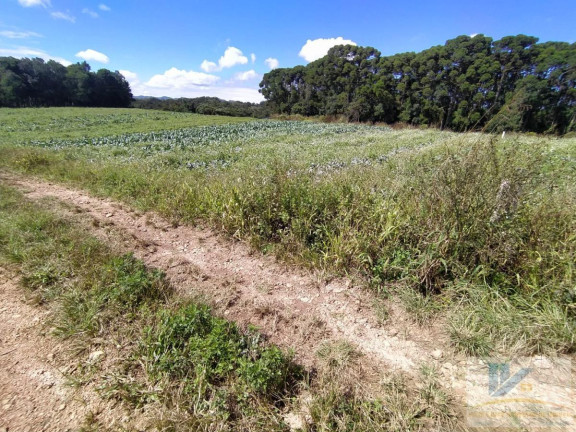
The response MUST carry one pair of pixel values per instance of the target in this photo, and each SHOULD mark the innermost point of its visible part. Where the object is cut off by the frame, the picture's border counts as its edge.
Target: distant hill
(152, 97)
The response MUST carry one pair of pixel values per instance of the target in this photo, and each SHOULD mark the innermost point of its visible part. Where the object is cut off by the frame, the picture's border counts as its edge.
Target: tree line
(35, 83)
(469, 83)
(204, 105)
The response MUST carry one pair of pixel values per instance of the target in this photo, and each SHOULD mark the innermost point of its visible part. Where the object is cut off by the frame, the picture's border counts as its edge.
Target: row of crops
(312, 148)
(210, 135)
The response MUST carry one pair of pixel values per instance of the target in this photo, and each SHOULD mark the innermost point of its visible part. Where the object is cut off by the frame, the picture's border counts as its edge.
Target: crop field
(70, 123)
(473, 230)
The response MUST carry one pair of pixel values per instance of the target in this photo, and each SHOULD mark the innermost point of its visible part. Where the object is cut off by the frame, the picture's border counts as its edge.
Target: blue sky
(222, 48)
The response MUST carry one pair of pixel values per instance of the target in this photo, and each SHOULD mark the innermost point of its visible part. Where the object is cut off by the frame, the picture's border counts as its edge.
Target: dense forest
(204, 105)
(469, 83)
(35, 83)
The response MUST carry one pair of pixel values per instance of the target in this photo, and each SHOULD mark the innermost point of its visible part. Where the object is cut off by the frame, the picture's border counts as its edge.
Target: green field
(27, 124)
(472, 227)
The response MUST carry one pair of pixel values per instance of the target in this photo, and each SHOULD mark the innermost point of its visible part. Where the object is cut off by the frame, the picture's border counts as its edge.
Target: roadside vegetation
(472, 227)
(171, 361)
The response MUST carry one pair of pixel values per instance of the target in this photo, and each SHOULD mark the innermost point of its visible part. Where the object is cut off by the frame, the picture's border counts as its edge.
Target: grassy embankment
(469, 226)
(135, 342)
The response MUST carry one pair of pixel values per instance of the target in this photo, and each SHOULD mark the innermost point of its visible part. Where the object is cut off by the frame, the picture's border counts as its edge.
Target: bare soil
(35, 393)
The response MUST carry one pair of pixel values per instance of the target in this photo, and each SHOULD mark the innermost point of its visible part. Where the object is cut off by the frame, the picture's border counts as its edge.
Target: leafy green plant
(191, 344)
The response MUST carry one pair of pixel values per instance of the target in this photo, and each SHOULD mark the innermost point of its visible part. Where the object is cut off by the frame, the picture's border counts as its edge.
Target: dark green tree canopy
(204, 105)
(34, 82)
(469, 83)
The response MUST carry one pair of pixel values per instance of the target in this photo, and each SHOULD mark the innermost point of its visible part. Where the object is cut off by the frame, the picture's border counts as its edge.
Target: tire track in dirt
(293, 308)
(32, 389)
(34, 392)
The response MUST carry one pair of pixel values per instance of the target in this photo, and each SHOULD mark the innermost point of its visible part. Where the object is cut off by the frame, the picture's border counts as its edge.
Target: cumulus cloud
(130, 76)
(272, 63)
(90, 12)
(90, 54)
(31, 3)
(18, 35)
(232, 57)
(179, 79)
(63, 16)
(133, 79)
(318, 48)
(253, 58)
(22, 52)
(243, 94)
(246, 76)
(180, 83)
(104, 8)
(208, 66)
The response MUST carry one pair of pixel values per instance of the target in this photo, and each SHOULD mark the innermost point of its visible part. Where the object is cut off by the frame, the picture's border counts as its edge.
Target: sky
(222, 48)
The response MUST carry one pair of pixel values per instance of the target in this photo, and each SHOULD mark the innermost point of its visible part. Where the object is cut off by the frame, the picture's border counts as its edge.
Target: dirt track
(292, 307)
(34, 393)
(295, 309)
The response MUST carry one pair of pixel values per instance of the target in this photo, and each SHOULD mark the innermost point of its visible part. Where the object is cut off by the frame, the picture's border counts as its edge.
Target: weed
(191, 344)
(32, 160)
(338, 404)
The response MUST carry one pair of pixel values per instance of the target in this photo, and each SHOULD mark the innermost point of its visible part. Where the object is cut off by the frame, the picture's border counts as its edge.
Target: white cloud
(208, 66)
(318, 48)
(134, 81)
(179, 79)
(90, 54)
(90, 12)
(253, 58)
(130, 76)
(63, 16)
(31, 3)
(232, 57)
(246, 76)
(180, 83)
(272, 63)
(473, 35)
(18, 35)
(22, 52)
(104, 8)
(243, 94)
